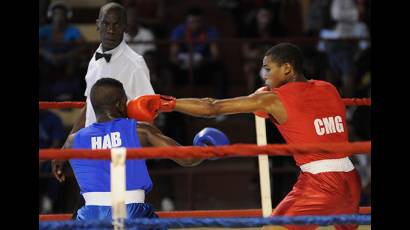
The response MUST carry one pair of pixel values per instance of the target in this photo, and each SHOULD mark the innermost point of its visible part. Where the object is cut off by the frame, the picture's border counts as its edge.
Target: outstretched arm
(147, 107)
(151, 136)
(207, 107)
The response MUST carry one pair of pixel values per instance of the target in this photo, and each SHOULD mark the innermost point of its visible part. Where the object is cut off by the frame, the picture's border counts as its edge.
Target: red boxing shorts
(323, 193)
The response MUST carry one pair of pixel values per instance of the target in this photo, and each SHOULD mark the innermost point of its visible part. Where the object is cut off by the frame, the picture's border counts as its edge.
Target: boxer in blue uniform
(113, 129)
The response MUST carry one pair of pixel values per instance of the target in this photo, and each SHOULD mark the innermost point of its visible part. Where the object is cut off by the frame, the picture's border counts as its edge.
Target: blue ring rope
(210, 222)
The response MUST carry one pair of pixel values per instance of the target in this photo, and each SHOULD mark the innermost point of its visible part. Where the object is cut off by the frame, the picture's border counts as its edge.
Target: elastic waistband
(329, 165)
(104, 198)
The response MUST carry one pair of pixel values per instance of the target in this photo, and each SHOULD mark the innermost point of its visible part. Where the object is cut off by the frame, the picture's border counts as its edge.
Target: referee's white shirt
(126, 66)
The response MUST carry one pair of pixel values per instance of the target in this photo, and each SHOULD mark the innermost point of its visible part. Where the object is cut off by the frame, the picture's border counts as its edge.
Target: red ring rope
(209, 152)
(80, 104)
(357, 101)
(60, 105)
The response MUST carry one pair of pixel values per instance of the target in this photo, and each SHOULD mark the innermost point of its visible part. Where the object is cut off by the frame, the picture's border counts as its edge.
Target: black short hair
(105, 93)
(287, 53)
(113, 6)
(61, 7)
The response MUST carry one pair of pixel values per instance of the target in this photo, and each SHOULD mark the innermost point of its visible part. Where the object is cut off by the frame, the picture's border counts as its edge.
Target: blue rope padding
(210, 222)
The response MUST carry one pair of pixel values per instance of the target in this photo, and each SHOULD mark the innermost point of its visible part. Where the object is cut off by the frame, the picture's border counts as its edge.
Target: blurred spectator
(150, 14)
(262, 26)
(137, 33)
(341, 53)
(193, 46)
(51, 135)
(60, 44)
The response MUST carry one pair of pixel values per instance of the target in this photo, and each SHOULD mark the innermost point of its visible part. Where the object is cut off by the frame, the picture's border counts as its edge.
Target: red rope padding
(60, 105)
(198, 214)
(55, 217)
(80, 104)
(236, 150)
(357, 101)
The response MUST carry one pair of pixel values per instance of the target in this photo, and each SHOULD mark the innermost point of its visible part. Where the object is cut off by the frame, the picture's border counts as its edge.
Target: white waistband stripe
(104, 198)
(329, 165)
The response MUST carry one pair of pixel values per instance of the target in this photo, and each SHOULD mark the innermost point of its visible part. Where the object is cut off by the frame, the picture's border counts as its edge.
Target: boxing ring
(249, 218)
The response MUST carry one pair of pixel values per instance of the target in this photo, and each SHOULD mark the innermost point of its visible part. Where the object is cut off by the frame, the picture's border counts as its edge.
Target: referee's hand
(58, 169)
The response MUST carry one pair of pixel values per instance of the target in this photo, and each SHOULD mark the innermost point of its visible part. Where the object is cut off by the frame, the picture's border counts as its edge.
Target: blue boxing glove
(210, 137)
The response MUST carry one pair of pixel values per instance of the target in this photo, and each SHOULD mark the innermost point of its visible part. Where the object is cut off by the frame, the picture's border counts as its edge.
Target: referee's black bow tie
(107, 57)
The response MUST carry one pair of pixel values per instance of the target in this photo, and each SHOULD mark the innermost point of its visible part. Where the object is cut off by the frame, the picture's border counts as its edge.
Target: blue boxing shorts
(134, 210)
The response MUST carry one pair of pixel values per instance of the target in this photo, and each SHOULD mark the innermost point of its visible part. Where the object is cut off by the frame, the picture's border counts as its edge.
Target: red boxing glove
(262, 114)
(147, 107)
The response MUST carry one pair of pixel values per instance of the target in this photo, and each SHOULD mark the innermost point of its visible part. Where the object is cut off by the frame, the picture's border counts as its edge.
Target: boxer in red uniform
(305, 111)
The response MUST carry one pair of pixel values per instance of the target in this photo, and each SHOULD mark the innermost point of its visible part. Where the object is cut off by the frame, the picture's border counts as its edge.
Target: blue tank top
(94, 175)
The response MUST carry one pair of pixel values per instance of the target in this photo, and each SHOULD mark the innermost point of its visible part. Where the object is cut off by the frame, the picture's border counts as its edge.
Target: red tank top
(316, 114)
